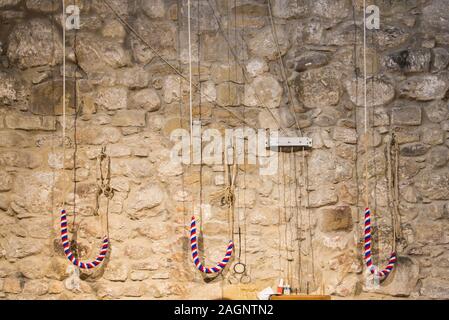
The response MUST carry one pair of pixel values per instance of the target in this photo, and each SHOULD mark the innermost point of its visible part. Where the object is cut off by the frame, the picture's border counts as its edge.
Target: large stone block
(406, 115)
(98, 135)
(97, 54)
(379, 92)
(147, 99)
(25, 121)
(33, 43)
(20, 159)
(345, 135)
(414, 149)
(436, 15)
(424, 88)
(437, 111)
(319, 88)
(144, 198)
(112, 98)
(410, 60)
(336, 219)
(435, 288)
(434, 185)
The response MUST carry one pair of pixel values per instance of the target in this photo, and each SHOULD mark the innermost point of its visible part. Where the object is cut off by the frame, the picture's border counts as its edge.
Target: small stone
(98, 135)
(228, 94)
(8, 3)
(144, 198)
(267, 89)
(116, 271)
(129, 118)
(345, 135)
(46, 6)
(33, 43)
(221, 72)
(112, 98)
(286, 9)
(118, 150)
(424, 88)
(174, 88)
(310, 60)
(410, 60)
(440, 59)
(5, 181)
(413, 149)
(406, 135)
(336, 219)
(154, 8)
(17, 248)
(322, 198)
(4, 202)
(437, 111)
(256, 66)
(264, 45)
(12, 285)
(438, 156)
(139, 275)
(432, 135)
(8, 93)
(114, 29)
(407, 115)
(147, 99)
(36, 287)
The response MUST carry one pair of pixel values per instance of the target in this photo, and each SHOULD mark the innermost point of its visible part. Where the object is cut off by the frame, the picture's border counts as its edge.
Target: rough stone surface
(32, 44)
(263, 91)
(263, 43)
(132, 103)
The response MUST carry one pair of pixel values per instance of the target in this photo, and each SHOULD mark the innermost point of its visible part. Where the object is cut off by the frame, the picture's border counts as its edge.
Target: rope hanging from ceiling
(380, 274)
(103, 188)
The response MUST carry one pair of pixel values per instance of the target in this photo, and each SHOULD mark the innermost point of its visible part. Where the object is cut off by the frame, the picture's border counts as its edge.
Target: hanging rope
(195, 256)
(382, 274)
(103, 188)
(103, 180)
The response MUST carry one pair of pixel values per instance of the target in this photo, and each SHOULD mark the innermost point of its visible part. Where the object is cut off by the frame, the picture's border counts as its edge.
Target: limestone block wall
(303, 223)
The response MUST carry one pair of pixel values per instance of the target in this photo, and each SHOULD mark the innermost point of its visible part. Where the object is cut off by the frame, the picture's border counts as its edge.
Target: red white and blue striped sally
(69, 254)
(195, 256)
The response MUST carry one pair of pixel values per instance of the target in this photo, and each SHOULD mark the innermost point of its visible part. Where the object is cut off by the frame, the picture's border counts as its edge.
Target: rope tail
(195, 256)
(382, 274)
(69, 254)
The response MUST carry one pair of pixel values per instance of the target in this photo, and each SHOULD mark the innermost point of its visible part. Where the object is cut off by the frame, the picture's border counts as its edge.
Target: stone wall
(121, 95)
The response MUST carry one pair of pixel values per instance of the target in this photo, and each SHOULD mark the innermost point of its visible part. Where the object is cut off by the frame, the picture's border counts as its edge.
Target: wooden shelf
(299, 297)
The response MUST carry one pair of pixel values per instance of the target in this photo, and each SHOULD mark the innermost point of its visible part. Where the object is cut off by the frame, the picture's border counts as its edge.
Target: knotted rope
(195, 256)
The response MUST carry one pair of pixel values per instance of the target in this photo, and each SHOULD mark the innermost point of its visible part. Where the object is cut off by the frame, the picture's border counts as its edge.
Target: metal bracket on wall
(277, 143)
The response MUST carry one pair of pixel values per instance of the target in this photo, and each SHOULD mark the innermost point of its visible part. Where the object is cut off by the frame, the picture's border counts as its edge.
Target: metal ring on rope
(383, 274)
(195, 256)
(69, 254)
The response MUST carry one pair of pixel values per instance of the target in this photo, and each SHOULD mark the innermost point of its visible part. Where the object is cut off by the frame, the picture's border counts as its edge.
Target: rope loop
(220, 266)
(69, 254)
(382, 274)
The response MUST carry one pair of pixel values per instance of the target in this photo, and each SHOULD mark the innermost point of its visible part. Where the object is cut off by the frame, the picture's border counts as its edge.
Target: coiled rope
(195, 256)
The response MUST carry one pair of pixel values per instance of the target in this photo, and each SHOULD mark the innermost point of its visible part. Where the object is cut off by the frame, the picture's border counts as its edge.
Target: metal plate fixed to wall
(275, 143)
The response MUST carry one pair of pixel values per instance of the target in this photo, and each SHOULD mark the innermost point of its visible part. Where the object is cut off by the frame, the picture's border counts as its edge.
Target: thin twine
(190, 78)
(63, 95)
